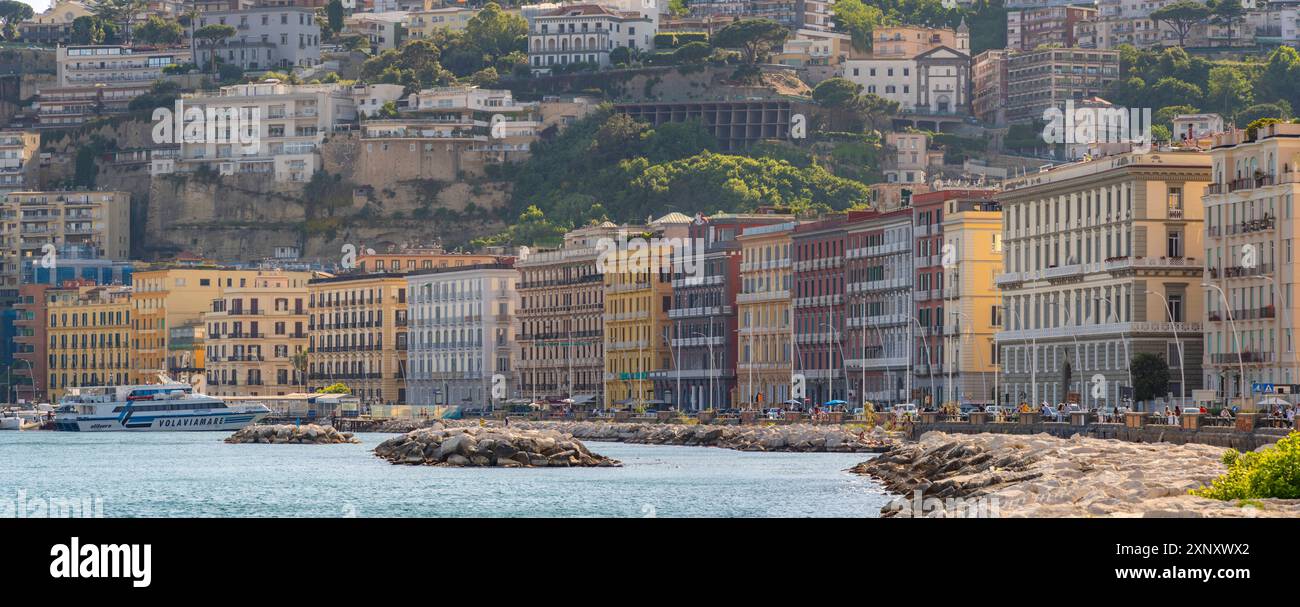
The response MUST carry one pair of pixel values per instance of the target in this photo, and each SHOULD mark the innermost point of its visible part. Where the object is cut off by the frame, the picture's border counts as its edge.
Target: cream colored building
(972, 256)
(171, 297)
(16, 151)
(1250, 230)
(423, 23)
(42, 225)
(89, 336)
(763, 309)
(357, 336)
(253, 333)
(1090, 250)
(280, 129)
(637, 295)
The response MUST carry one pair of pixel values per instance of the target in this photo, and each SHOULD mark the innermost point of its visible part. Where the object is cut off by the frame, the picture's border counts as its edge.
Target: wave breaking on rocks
(285, 434)
(439, 445)
(1044, 476)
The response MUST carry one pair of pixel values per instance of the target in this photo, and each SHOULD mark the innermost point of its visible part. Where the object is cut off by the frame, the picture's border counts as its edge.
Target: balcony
(749, 298)
(1089, 330)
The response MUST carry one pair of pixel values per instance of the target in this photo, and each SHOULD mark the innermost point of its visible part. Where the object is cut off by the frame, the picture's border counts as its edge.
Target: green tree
(858, 19)
(1182, 16)
(1150, 376)
(88, 30)
(157, 30)
(692, 52)
(1172, 91)
(119, 12)
(621, 55)
(1228, 91)
(12, 13)
(212, 34)
(754, 37)
(1227, 13)
(1280, 110)
(336, 388)
(839, 93)
(334, 15)
(496, 33)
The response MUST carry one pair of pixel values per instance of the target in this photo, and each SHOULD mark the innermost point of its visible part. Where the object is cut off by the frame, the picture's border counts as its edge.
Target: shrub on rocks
(1271, 472)
(489, 446)
(283, 434)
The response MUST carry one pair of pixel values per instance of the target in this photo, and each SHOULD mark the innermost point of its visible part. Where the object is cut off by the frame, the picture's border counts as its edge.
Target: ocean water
(195, 474)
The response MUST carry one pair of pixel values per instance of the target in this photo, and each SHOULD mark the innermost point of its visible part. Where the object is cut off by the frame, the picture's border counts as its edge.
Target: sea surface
(195, 474)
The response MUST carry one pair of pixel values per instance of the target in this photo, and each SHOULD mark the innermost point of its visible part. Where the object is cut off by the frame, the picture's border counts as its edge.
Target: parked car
(774, 414)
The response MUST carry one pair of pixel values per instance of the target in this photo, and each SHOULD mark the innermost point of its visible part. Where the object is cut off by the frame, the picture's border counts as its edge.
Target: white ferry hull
(224, 421)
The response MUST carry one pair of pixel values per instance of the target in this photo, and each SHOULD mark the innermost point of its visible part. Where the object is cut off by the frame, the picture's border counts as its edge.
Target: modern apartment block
(817, 304)
(254, 334)
(16, 151)
(989, 86)
(385, 30)
(1032, 28)
(1096, 269)
(561, 319)
(89, 337)
(291, 123)
(878, 282)
(1046, 78)
(703, 316)
(358, 337)
(266, 38)
(1250, 230)
(766, 328)
(168, 297)
(93, 80)
(34, 224)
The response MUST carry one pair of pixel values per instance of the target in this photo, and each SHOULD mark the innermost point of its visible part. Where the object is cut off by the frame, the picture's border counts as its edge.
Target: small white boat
(20, 419)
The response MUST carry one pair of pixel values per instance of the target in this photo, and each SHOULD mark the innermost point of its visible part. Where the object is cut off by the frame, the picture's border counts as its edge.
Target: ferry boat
(166, 407)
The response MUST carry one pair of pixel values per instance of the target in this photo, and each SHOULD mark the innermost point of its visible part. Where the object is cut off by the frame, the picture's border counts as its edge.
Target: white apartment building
(934, 82)
(100, 79)
(1250, 235)
(286, 123)
(461, 335)
(585, 33)
(370, 98)
(1197, 126)
(16, 151)
(385, 30)
(266, 38)
(1098, 266)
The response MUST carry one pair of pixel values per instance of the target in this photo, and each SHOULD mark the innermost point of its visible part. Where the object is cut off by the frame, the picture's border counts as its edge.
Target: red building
(30, 350)
(817, 267)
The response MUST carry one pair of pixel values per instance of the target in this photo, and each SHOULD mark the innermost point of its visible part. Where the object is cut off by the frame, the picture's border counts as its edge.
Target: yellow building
(764, 366)
(638, 294)
(358, 325)
(419, 258)
(254, 332)
(423, 24)
(170, 297)
(972, 227)
(89, 337)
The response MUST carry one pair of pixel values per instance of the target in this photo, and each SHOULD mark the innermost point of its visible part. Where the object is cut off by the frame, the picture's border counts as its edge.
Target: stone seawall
(1214, 436)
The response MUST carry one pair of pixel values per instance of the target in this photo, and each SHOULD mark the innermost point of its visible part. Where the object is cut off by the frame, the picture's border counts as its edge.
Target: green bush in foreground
(1273, 472)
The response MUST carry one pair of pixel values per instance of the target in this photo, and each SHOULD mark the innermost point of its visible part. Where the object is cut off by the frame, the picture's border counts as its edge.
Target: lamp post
(1033, 356)
(929, 354)
(1276, 292)
(970, 332)
(1128, 356)
(708, 341)
(677, 367)
(830, 381)
(1241, 386)
(1182, 373)
(1082, 393)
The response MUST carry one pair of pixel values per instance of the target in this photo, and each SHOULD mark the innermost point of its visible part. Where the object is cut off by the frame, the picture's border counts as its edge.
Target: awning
(583, 399)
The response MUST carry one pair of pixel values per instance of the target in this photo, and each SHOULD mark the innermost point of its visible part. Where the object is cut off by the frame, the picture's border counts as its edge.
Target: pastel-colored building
(255, 333)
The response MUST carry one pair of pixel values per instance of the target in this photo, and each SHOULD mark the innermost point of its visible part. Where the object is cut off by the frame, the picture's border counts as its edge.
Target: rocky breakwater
(286, 434)
(439, 445)
(1043, 476)
(794, 437)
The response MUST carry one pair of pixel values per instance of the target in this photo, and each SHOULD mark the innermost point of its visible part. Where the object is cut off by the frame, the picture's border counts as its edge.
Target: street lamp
(677, 366)
(830, 381)
(708, 341)
(1241, 386)
(1294, 353)
(929, 354)
(1033, 357)
(970, 333)
(1073, 334)
(1128, 355)
(1182, 373)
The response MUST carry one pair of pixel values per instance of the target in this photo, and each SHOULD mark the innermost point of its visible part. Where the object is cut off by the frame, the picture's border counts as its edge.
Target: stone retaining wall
(1216, 436)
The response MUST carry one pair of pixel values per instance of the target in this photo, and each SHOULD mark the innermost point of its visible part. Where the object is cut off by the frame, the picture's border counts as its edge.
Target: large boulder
(284, 434)
(473, 446)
